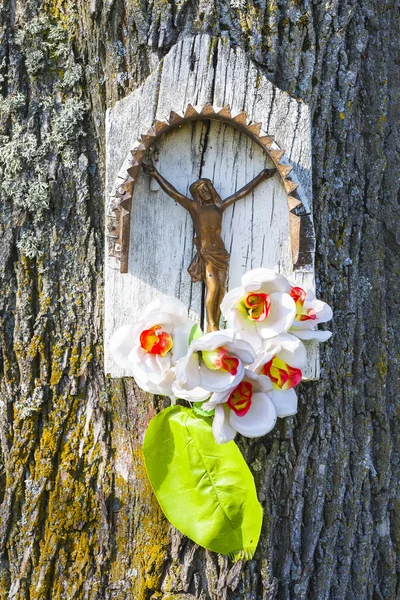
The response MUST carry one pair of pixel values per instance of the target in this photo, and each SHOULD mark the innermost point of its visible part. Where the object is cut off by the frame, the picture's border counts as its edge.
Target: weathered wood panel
(255, 230)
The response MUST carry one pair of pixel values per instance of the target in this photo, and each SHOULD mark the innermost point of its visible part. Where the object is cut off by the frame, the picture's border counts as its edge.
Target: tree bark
(78, 518)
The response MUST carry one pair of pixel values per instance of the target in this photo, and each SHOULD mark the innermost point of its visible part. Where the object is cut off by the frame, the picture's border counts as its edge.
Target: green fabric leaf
(195, 333)
(205, 489)
(197, 408)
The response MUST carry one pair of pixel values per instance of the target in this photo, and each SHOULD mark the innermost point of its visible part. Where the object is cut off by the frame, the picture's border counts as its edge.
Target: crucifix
(240, 117)
(210, 263)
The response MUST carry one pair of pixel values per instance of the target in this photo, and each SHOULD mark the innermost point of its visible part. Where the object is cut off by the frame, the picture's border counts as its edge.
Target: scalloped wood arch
(118, 225)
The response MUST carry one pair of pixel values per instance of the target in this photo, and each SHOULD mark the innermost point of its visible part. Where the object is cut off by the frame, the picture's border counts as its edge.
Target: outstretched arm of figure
(265, 174)
(167, 187)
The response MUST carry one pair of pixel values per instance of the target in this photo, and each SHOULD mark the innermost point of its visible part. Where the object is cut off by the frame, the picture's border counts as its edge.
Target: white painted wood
(255, 229)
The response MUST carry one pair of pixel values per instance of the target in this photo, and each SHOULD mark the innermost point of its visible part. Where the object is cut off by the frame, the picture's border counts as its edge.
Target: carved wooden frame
(118, 222)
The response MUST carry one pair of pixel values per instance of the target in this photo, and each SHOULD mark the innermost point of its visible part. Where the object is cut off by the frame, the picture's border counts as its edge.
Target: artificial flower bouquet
(237, 380)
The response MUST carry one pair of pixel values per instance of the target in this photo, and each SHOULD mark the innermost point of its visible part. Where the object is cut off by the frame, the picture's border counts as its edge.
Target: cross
(210, 263)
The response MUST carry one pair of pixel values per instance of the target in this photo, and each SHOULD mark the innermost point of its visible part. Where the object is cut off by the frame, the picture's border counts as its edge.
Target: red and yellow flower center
(258, 306)
(220, 360)
(282, 375)
(302, 314)
(240, 399)
(156, 341)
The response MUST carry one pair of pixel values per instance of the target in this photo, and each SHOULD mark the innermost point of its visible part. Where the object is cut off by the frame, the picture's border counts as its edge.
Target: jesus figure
(210, 263)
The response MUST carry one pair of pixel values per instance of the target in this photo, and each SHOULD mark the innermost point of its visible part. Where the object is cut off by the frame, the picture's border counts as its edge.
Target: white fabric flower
(150, 348)
(213, 363)
(245, 408)
(282, 360)
(309, 312)
(261, 308)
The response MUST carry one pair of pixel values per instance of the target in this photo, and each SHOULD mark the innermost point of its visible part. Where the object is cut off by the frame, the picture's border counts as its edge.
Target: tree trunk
(78, 518)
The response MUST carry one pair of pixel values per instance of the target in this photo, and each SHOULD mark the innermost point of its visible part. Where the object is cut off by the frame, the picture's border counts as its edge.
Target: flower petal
(260, 418)
(285, 402)
(181, 339)
(230, 299)
(292, 351)
(163, 388)
(121, 344)
(217, 398)
(222, 430)
(266, 355)
(283, 311)
(187, 371)
(160, 318)
(153, 369)
(243, 350)
(311, 334)
(219, 381)
(170, 305)
(323, 311)
(245, 328)
(260, 383)
(197, 394)
(265, 279)
(213, 340)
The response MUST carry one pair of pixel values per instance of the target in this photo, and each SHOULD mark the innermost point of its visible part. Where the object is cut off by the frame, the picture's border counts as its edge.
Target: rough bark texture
(78, 519)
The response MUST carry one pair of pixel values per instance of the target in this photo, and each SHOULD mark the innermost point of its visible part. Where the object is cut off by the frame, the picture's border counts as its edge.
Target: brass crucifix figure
(210, 263)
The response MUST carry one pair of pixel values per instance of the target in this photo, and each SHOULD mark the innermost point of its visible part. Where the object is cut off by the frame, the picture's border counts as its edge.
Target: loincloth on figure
(218, 258)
